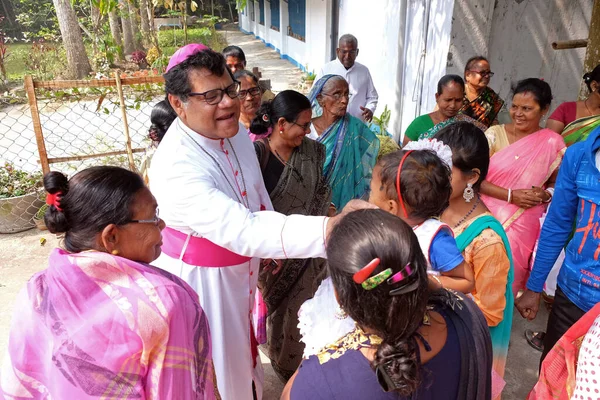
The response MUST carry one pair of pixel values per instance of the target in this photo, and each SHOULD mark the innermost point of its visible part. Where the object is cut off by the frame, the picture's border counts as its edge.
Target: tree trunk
(153, 34)
(115, 28)
(230, 10)
(592, 53)
(77, 59)
(128, 43)
(8, 12)
(135, 27)
(96, 18)
(145, 23)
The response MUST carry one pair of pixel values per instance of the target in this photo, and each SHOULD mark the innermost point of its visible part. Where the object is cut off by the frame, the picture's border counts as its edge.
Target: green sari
(578, 130)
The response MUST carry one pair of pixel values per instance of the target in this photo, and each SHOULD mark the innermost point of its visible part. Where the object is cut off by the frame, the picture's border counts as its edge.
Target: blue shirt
(576, 201)
(444, 254)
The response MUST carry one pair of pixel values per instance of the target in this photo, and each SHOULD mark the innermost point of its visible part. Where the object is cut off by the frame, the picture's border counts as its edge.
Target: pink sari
(97, 326)
(528, 162)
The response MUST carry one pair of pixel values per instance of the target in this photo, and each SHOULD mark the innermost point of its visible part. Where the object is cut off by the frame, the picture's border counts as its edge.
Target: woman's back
(342, 372)
(93, 324)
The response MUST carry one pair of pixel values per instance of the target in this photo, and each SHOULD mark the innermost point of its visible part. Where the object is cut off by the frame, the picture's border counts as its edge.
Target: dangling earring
(468, 193)
(281, 131)
(340, 314)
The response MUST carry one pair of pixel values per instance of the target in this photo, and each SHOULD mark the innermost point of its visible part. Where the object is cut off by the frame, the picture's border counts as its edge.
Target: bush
(174, 38)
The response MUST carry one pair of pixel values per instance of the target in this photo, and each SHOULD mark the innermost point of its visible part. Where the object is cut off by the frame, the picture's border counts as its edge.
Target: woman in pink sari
(100, 322)
(523, 166)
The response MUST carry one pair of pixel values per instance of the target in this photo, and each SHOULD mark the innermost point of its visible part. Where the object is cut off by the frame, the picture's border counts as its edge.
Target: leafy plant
(45, 59)
(15, 182)
(383, 120)
(176, 38)
(153, 55)
(138, 57)
(41, 212)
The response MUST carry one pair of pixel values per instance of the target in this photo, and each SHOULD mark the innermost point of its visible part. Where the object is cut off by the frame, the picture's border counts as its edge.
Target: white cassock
(214, 189)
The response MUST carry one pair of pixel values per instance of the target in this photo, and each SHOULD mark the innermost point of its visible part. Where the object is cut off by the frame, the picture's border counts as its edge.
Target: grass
(15, 63)
(18, 53)
(171, 39)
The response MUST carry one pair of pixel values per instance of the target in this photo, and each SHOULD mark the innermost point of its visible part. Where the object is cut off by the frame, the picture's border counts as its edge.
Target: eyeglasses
(337, 96)
(215, 96)
(155, 220)
(304, 127)
(255, 91)
(483, 73)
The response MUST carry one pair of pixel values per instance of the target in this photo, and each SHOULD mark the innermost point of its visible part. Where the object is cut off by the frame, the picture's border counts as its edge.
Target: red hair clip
(54, 200)
(366, 271)
(398, 191)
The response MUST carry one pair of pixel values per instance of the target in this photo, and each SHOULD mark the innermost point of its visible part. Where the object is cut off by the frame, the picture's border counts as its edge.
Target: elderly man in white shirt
(363, 96)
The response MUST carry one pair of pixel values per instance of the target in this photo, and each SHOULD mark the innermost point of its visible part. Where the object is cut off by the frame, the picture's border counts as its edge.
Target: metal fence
(68, 126)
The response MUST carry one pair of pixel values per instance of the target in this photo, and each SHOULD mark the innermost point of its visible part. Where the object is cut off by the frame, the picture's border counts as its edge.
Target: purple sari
(93, 325)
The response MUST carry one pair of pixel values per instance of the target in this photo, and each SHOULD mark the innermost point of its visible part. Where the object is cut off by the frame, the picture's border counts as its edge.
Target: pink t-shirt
(565, 113)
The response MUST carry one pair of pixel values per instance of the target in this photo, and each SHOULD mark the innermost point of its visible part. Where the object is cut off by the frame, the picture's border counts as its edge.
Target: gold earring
(114, 252)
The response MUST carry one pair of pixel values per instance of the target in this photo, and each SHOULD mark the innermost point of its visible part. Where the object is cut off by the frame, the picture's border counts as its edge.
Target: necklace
(244, 199)
(468, 214)
(587, 108)
(276, 152)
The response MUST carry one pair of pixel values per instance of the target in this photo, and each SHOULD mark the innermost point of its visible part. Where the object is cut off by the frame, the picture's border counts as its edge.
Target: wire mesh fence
(68, 126)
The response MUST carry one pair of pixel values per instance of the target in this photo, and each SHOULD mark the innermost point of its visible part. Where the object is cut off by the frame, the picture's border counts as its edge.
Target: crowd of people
(360, 270)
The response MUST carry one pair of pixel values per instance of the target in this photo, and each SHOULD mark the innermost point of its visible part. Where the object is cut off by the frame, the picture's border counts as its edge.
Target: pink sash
(199, 251)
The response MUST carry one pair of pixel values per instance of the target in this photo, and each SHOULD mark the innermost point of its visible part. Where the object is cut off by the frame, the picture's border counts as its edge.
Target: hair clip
(400, 275)
(405, 289)
(377, 280)
(361, 275)
(265, 117)
(54, 200)
(384, 379)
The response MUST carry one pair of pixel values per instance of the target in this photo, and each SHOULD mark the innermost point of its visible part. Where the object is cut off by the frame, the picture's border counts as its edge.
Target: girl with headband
(423, 175)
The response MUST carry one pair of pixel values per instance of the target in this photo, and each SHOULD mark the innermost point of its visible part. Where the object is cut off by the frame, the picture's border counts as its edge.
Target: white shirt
(362, 90)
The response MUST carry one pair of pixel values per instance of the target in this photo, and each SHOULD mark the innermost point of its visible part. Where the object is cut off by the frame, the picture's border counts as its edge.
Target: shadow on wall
(517, 38)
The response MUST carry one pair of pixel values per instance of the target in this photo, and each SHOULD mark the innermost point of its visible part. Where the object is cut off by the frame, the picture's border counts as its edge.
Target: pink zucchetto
(183, 53)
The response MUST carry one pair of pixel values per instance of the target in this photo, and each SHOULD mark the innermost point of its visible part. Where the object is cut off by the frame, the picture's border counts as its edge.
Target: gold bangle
(438, 280)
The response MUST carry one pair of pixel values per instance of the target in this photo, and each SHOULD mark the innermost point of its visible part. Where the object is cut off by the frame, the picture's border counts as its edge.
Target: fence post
(37, 125)
(125, 124)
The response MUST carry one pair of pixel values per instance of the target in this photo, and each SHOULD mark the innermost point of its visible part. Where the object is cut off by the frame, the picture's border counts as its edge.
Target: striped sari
(578, 130)
(501, 332)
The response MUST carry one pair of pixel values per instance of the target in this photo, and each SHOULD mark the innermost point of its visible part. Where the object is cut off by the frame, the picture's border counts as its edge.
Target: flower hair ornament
(443, 151)
(363, 277)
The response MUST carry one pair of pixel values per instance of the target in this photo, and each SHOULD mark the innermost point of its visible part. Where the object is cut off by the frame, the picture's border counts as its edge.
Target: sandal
(535, 339)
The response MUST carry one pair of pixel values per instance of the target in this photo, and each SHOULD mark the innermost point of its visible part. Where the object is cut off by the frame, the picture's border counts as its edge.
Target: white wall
(377, 28)
(520, 38)
(427, 38)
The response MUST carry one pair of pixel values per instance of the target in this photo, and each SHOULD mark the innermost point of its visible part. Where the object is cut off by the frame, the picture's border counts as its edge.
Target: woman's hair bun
(55, 219)
(587, 77)
(263, 121)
